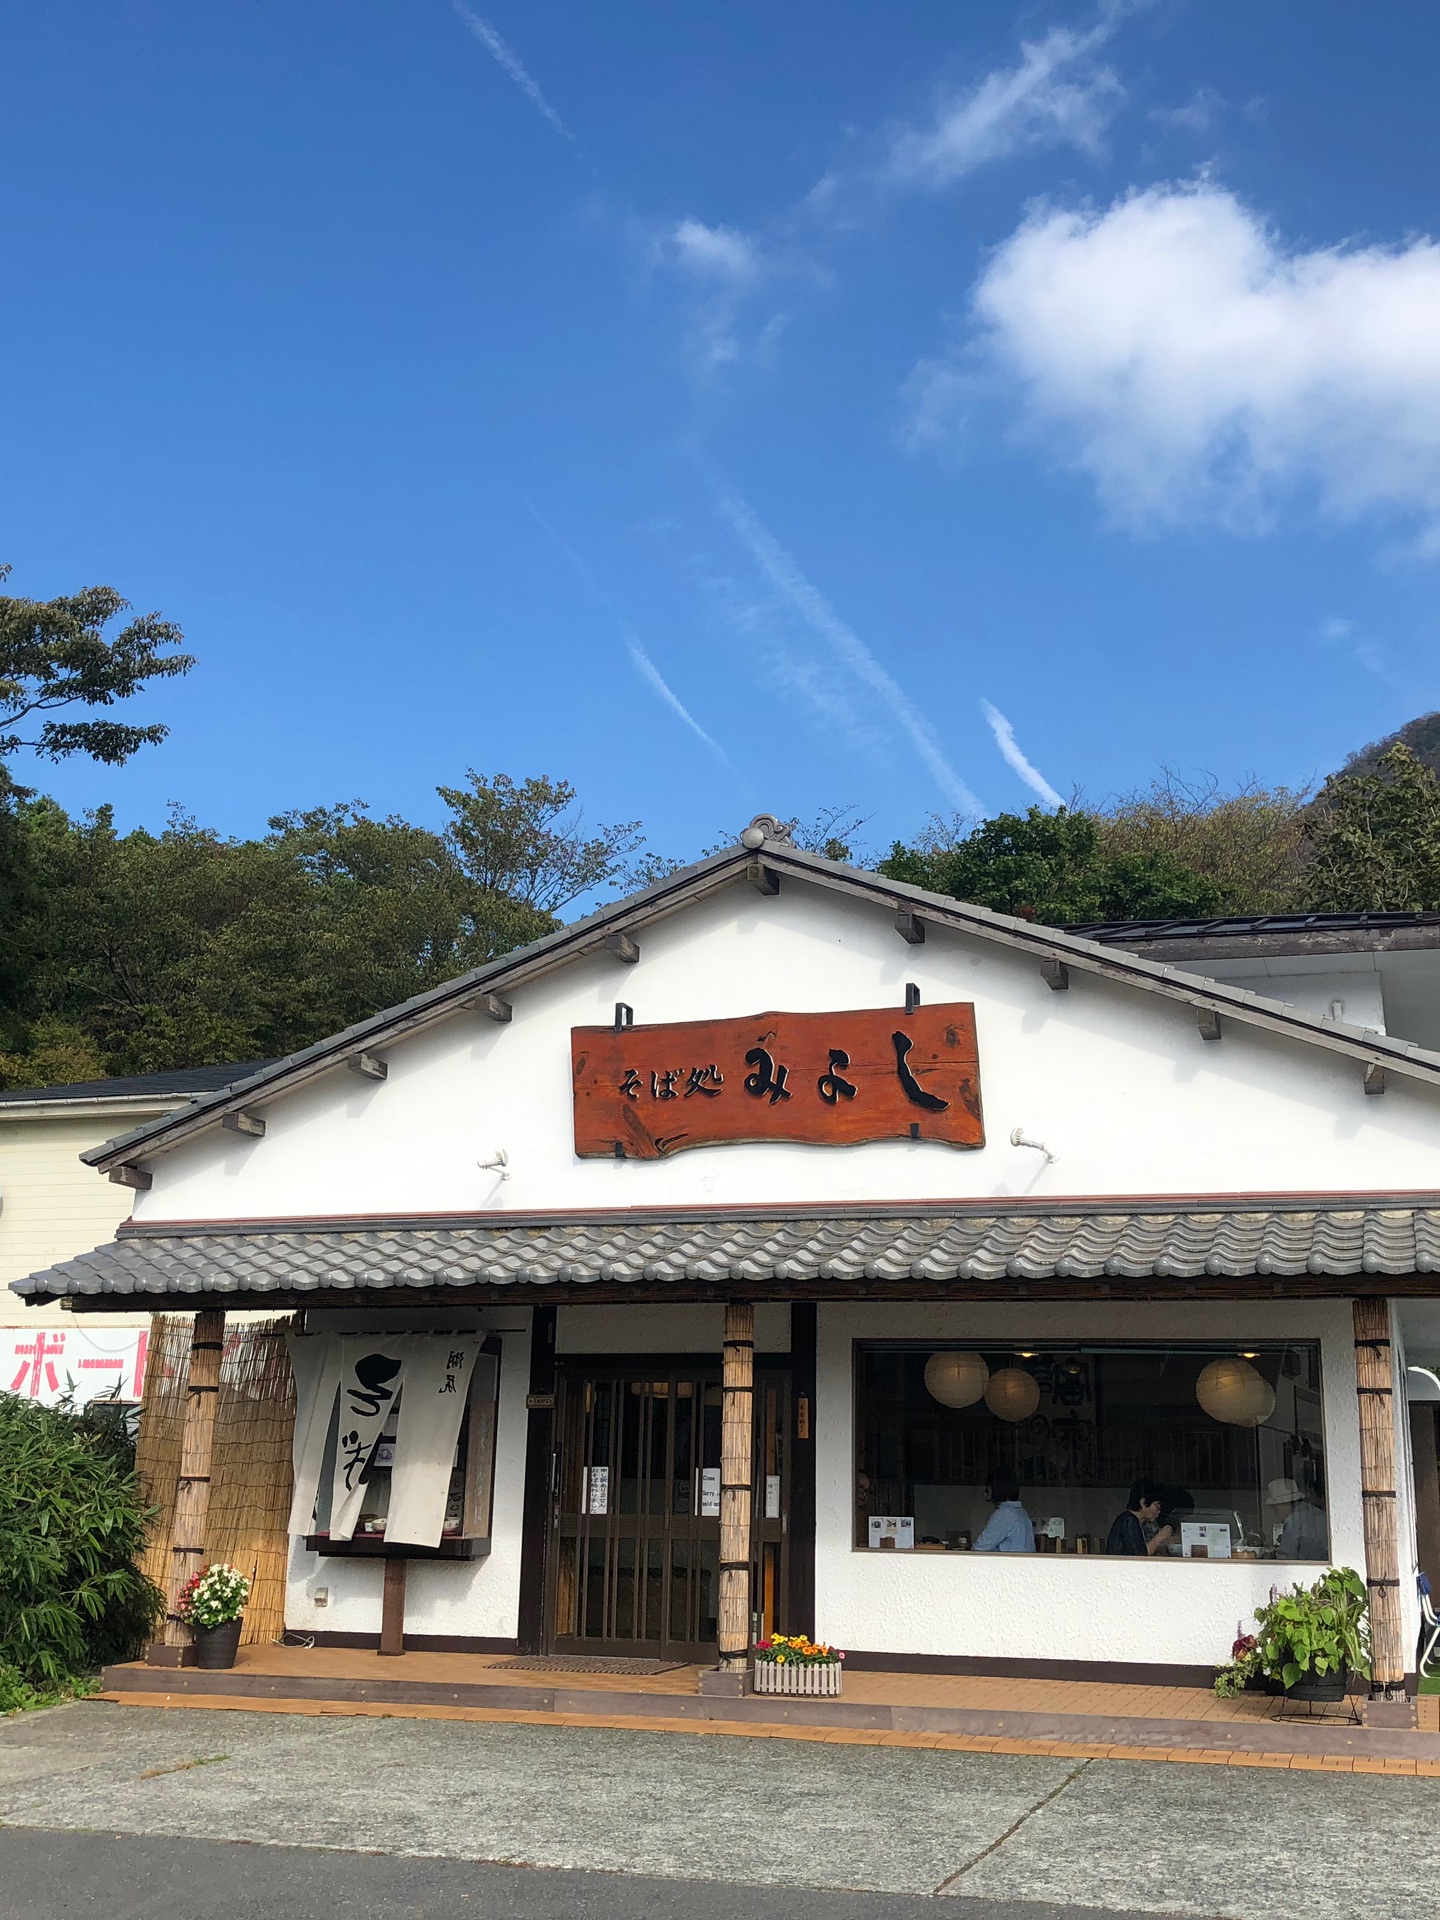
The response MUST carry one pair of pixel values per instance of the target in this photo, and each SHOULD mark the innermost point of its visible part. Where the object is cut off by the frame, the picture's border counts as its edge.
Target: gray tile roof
(1123, 931)
(176, 1083)
(1086, 1242)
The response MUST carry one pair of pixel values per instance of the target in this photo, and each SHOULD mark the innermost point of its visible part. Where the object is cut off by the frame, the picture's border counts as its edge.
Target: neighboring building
(1377, 970)
(52, 1207)
(1004, 1201)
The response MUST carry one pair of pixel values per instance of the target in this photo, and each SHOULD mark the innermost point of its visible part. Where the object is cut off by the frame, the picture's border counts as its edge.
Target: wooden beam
(737, 1433)
(910, 927)
(1055, 974)
(541, 1462)
(1374, 1078)
(800, 1613)
(764, 879)
(1208, 1021)
(192, 1483)
(623, 948)
(490, 1004)
(250, 1124)
(392, 1608)
(368, 1065)
(1375, 1387)
(136, 1177)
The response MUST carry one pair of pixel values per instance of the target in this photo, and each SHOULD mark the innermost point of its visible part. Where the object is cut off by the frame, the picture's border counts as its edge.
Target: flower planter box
(820, 1681)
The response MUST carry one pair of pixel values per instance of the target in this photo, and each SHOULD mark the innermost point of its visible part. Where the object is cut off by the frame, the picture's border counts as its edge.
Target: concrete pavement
(701, 1818)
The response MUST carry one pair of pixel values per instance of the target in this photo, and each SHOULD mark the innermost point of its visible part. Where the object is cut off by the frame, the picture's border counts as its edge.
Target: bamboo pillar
(192, 1486)
(737, 1430)
(1375, 1383)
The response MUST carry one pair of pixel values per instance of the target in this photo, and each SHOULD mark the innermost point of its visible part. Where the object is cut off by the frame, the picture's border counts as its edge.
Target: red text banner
(824, 1079)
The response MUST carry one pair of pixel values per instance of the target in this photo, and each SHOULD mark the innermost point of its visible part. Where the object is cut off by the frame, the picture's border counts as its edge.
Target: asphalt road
(109, 1804)
(94, 1876)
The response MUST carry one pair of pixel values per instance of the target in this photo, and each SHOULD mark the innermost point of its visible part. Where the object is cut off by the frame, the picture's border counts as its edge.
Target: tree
(55, 654)
(71, 1525)
(527, 842)
(1249, 843)
(1052, 867)
(146, 951)
(1374, 839)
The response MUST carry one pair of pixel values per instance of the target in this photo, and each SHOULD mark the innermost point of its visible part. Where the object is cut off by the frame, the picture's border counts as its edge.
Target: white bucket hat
(1282, 1493)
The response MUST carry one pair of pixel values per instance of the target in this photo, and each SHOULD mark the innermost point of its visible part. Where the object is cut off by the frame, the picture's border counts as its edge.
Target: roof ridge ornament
(766, 826)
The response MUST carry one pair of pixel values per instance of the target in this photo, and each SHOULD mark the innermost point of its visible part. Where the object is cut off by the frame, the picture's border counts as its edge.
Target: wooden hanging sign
(824, 1079)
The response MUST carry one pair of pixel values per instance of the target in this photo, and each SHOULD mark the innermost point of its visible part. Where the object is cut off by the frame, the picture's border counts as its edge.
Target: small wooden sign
(824, 1079)
(540, 1403)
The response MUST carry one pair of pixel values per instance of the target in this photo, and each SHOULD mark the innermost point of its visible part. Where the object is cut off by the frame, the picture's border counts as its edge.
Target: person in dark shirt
(1128, 1535)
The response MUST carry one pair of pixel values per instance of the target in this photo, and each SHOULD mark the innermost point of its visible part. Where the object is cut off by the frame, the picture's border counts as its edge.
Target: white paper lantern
(1233, 1391)
(1012, 1394)
(955, 1379)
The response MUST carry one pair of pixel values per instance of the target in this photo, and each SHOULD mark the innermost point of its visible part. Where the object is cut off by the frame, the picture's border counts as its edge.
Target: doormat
(586, 1663)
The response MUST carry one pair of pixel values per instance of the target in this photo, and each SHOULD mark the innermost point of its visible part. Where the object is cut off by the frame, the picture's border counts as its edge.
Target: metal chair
(1429, 1627)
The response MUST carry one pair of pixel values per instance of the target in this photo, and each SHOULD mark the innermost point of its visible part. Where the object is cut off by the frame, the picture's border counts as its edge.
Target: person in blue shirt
(1010, 1528)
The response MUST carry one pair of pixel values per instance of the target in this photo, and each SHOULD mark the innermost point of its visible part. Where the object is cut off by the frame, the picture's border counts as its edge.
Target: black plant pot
(217, 1646)
(1320, 1687)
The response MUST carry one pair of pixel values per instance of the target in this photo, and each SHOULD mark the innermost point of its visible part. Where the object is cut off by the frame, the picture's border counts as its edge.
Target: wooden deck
(970, 1712)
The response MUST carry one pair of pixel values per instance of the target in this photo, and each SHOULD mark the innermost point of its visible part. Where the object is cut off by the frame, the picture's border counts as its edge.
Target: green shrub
(72, 1522)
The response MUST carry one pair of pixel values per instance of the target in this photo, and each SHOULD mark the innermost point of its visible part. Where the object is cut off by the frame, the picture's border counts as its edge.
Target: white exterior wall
(1115, 1080)
(473, 1599)
(1312, 983)
(1061, 1606)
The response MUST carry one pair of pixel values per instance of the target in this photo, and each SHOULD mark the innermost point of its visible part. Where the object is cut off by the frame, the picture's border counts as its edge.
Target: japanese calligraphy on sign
(827, 1079)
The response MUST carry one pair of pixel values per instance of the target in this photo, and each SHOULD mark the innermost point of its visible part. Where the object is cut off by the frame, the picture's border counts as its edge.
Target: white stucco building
(1179, 1171)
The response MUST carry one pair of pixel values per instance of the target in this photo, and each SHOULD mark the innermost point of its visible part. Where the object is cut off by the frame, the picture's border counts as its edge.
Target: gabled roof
(774, 861)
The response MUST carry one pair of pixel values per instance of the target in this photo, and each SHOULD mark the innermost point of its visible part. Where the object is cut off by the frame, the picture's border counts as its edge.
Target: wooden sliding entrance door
(635, 1527)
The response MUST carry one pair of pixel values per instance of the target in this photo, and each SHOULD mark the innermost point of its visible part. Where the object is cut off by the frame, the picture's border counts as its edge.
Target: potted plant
(213, 1606)
(1309, 1641)
(795, 1664)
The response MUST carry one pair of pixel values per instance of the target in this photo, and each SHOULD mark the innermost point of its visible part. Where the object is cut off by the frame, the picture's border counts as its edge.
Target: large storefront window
(1216, 1452)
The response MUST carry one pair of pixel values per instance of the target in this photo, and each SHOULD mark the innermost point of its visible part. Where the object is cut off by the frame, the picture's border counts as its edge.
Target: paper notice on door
(709, 1491)
(772, 1496)
(598, 1491)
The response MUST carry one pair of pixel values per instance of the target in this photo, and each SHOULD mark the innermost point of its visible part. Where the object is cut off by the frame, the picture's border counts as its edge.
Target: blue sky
(730, 406)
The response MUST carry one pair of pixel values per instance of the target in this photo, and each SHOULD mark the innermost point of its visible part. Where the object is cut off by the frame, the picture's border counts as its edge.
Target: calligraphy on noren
(823, 1079)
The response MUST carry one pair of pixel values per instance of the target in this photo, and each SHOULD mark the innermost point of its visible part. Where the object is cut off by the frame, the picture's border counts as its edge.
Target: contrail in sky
(785, 576)
(501, 51)
(630, 640)
(1010, 747)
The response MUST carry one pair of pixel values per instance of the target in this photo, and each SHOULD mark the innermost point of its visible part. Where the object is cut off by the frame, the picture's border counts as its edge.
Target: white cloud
(1010, 748)
(1175, 350)
(715, 253)
(1054, 96)
(1199, 113)
(510, 62)
(630, 640)
(845, 647)
(1364, 652)
(726, 275)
